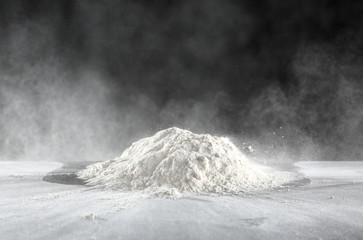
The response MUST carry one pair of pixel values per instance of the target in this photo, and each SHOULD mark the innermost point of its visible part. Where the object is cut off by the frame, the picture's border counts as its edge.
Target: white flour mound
(175, 162)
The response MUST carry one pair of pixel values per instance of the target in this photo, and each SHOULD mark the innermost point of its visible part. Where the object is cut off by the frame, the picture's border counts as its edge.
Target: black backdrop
(261, 65)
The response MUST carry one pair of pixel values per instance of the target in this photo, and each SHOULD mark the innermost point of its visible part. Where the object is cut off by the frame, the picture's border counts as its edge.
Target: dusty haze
(81, 80)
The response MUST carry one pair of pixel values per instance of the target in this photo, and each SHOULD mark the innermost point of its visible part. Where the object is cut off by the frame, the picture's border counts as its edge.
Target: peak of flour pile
(175, 162)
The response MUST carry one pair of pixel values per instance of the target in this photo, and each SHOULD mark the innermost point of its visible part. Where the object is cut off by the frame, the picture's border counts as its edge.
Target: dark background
(83, 79)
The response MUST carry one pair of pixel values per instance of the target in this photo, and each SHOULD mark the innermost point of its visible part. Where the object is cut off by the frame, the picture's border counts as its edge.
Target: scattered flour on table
(90, 217)
(175, 162)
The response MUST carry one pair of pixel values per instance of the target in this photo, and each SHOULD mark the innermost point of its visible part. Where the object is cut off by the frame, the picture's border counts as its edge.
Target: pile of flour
(175, 162)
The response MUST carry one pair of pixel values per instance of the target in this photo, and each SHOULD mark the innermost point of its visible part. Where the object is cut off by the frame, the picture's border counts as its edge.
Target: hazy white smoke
(321, 118)
(89, 97)
(51, 112)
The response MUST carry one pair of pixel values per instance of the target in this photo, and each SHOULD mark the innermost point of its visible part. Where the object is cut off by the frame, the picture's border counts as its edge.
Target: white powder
(175, 162)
